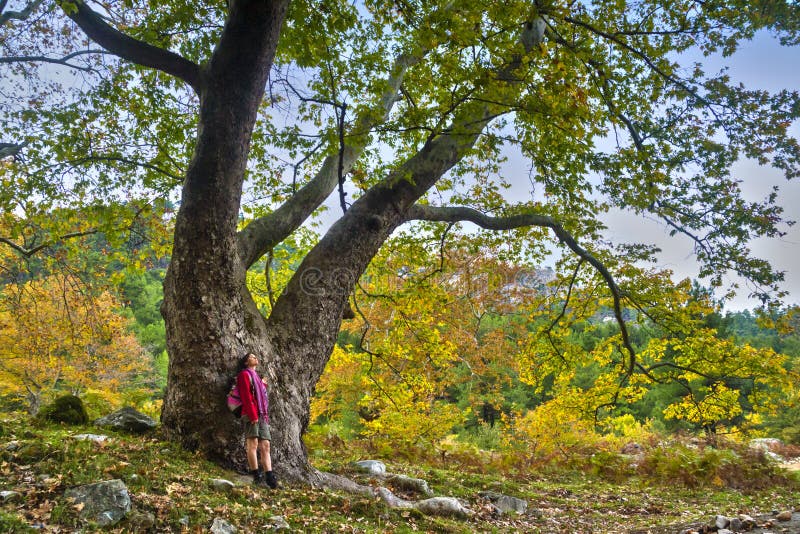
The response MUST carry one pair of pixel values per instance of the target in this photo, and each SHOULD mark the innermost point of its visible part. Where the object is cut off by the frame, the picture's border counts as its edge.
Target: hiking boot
(258, 477)
(270, 480)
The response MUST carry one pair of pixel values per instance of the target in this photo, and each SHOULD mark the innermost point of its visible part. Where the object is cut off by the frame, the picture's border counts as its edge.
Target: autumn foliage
(452, 341)
(57, 335)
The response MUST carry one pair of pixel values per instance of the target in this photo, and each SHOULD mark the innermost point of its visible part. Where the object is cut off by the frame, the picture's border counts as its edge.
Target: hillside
(661, 489)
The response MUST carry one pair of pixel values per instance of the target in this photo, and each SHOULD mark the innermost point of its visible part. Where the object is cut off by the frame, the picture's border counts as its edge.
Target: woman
(255, 406)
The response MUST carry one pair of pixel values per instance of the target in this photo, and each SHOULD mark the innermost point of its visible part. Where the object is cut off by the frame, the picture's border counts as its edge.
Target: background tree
(58, 338)
(409, 110)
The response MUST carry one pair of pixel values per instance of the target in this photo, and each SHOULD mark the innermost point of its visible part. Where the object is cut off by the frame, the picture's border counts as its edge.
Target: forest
(442, 346)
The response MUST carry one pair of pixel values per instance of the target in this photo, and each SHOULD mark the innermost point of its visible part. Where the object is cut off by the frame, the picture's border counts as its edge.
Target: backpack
(234, 401)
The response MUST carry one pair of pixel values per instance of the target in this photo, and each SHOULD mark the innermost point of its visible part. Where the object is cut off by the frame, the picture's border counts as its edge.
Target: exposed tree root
(439, 506)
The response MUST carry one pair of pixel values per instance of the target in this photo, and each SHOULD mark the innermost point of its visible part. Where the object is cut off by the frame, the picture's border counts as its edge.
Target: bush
(67, 409)
(13, 524)
(611, 466)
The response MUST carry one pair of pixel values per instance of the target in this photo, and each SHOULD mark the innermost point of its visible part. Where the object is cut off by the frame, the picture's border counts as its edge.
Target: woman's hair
(243, 361)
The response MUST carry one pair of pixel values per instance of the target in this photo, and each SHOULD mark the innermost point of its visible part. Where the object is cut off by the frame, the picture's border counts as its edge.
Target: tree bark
(210, 319)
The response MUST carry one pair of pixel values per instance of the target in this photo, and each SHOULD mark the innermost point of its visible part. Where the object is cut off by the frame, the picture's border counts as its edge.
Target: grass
(173, 486)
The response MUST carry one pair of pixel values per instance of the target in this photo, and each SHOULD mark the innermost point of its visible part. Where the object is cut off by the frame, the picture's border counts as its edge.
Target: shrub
(611, 466)
(66, 409)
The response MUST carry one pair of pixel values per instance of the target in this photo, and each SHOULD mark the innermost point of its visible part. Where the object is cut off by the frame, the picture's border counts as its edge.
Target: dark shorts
(259, 429)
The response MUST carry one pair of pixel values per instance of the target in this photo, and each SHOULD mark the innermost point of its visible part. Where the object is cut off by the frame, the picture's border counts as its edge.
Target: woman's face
(252, 360)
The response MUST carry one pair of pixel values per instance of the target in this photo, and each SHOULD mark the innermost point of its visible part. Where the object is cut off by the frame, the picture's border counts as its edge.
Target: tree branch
(129, 48)
(57, 61)
(28, 252)
(638, 53)
(460, 213)
(19, 15)
(265, 232)
(11, 149)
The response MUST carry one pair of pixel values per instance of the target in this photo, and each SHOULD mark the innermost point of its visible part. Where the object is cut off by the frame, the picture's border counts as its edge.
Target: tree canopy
(257, 111)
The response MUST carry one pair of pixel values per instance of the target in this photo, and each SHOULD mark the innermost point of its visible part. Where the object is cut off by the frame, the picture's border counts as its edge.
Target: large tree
(410, 109)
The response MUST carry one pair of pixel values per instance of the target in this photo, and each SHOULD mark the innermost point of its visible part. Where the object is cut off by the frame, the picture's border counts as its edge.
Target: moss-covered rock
(68, 409)
(31, 453)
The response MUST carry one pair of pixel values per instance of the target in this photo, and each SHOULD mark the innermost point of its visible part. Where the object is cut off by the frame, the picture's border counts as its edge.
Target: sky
(759, 64)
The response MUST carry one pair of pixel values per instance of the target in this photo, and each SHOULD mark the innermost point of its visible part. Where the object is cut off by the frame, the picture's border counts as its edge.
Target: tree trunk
(209, 317)
(34, 402)
(306, 317)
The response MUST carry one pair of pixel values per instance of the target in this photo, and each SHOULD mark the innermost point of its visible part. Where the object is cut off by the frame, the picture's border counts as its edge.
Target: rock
(184, 521)
(10, 496)
(279, 523)
(410, 484)
(736, 524)
(127, 420)
(97, 438)
(632, 448)
(748, 523)
(724, 531)
(220, 526)
(105, 503)
(373, 467)
(443, 506)
(722, 522)
(12, 446)
(220, 484)
(765, 444)
(141, 521)
(786, 515)
(29, 453)
(505, 503)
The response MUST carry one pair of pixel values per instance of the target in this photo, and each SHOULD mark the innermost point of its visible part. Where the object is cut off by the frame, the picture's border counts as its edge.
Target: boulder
(722, 522)
(505, 503)
(127, 419)
(279, 523)
(220, 526)
(786, 515)
(141, 521)
(373, 467)
(105, 503)
(765, 444)
(748, 523)
(220, 484)
(32, 452)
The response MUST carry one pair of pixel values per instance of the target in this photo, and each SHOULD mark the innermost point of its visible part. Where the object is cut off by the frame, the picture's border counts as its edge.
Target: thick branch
(11, 149)
(459, 213)
(19, 15)
(129, 48)
(266, 232)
